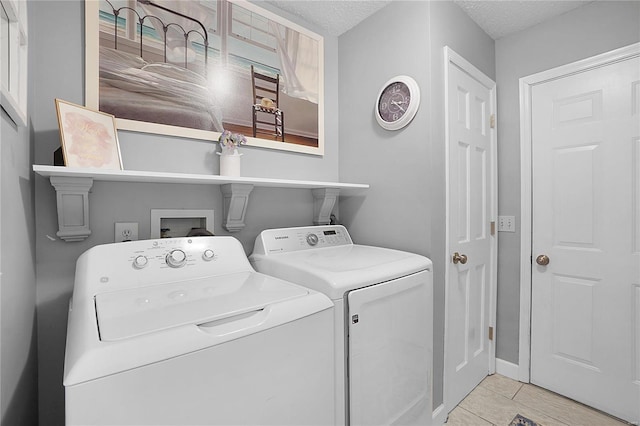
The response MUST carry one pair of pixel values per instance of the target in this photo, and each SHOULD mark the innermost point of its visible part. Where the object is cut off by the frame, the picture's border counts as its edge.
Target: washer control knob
(208, 254)
(312, 239)
(176, 258)
(140, 262)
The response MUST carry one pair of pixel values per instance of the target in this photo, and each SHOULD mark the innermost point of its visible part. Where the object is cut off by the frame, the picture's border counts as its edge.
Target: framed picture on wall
(187, 68)
(89, 138)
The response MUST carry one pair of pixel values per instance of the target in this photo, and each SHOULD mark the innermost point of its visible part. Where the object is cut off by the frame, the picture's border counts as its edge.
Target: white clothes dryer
(183, 331)
(383, 317)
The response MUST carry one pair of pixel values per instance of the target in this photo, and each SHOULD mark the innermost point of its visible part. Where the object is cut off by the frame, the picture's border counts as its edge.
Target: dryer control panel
(287, 240)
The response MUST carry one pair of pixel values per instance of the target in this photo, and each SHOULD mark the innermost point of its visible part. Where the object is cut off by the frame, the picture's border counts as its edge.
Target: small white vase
(229, 162)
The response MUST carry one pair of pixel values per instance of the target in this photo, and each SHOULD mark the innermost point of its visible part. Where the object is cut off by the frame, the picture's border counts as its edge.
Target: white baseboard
(439, 415)
(507, 369)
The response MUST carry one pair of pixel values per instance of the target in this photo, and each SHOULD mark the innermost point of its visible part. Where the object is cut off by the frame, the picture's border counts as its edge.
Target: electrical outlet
(126, 231)
(506, 224)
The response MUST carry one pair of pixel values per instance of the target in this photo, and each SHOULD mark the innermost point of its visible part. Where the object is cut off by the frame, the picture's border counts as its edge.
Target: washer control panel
(149, 262)
(172, 253)
(285, 240)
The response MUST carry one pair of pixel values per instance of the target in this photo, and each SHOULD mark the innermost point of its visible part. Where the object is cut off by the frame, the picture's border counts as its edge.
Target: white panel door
(390, 352)
(585, 319)
(470, 195)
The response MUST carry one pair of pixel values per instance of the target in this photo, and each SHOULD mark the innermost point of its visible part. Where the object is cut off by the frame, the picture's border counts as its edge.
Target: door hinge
(490, 333)
(492, 121)
(493, 227)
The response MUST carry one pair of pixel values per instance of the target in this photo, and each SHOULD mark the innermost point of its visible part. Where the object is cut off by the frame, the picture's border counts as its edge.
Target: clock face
(397, 102)
(394, 101)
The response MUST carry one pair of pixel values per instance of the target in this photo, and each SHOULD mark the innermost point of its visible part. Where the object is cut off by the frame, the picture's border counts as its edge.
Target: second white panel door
(586, 237)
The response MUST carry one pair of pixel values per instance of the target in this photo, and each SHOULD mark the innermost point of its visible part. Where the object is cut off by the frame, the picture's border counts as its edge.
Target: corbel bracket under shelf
(323, 201)
(72, 196)
(236, 201)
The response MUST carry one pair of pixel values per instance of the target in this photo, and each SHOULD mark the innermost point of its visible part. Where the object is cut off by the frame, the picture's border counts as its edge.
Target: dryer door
(390, 351)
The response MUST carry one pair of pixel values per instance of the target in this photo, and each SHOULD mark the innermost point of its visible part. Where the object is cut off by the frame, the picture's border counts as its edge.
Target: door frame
(452, 59)
(526, 184)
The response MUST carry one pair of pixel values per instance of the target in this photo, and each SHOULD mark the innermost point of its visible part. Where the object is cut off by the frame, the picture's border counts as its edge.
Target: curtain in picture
(298, 56)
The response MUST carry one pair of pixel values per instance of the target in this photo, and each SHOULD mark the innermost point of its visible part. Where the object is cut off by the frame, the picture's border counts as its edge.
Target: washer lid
(128, 313)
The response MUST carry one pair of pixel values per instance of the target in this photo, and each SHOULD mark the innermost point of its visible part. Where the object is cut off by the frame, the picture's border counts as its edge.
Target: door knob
(459, 258)
(542, 260)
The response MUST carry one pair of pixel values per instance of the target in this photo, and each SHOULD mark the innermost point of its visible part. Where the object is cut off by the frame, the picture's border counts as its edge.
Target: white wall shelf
(72, 187)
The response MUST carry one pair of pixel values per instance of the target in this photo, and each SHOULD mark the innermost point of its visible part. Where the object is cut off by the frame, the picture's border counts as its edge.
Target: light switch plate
(506, 224)
(125, 231)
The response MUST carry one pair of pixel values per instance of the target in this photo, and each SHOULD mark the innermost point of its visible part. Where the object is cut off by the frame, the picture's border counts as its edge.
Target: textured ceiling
(501, 18)
(497, 18)
(335, 16)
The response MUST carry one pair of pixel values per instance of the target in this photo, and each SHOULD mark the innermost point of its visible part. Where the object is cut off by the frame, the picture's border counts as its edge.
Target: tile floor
(498, 399)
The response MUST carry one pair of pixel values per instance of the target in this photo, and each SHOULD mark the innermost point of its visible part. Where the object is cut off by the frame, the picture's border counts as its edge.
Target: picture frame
(138, 74)
(89, 139)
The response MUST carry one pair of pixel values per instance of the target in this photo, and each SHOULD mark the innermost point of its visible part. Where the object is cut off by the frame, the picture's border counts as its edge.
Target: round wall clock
(397, 102)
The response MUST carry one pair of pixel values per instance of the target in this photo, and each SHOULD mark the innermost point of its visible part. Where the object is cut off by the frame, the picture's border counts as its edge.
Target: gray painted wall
(57, 41)
(404, 208)
(18, 366)
(587, 31)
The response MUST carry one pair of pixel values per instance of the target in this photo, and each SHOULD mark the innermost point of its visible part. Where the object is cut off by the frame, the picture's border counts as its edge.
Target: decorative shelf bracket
(236, 200)
(72, 196)
(323, 201)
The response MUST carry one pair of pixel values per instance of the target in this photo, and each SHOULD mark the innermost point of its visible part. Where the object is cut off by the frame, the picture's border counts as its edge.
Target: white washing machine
(183, 331)
(383, 314)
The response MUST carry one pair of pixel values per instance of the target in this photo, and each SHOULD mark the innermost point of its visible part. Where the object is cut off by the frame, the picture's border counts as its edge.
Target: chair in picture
(268, 118)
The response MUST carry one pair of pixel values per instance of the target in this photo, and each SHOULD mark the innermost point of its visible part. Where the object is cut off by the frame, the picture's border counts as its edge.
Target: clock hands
(396, 103)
